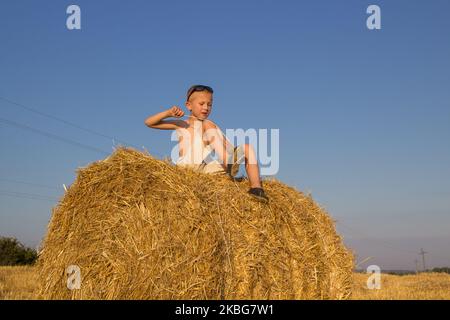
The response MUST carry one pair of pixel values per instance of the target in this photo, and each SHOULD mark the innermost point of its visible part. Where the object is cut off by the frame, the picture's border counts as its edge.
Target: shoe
(238, 158)
(259, 194)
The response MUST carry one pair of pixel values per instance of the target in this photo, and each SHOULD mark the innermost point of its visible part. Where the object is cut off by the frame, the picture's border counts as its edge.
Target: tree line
(14, 253)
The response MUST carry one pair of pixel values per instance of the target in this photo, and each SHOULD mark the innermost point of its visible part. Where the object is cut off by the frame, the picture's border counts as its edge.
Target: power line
(69, 123)
(23, 195)
(385, 243)
(423, 253)
(30, 184)
(53, 136)
(72, 124)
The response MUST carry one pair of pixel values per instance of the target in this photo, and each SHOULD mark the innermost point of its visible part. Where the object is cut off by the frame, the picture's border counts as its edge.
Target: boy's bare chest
(190, 135)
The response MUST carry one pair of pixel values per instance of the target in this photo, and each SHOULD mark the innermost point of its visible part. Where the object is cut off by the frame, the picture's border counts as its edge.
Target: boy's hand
(176, 112)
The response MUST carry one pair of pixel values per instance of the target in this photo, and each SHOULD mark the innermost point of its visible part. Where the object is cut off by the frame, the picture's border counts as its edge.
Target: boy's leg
(235, 159)
(221, 146)
(251, 166)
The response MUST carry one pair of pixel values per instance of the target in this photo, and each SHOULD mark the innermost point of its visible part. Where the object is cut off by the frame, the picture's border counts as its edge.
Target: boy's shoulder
(208, 124)
(211, 128)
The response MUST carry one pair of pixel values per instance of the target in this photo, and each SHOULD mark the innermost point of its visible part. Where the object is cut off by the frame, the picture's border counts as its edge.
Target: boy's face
(200, 104)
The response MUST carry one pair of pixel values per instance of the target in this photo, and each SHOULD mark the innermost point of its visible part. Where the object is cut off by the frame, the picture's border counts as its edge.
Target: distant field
(20, 283)
(424, 286)
(17, 283)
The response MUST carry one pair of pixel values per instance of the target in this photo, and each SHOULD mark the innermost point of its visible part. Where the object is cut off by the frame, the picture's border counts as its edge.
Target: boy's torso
(190, 132)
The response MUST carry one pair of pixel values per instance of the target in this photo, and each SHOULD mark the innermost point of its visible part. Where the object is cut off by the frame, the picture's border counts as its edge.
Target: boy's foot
(238, 158)
(259, 194)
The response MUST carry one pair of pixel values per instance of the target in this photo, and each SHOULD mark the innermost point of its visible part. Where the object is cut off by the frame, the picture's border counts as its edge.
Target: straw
(142, 228)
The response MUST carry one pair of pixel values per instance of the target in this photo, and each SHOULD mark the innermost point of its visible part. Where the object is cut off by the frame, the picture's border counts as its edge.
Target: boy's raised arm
(157, 121)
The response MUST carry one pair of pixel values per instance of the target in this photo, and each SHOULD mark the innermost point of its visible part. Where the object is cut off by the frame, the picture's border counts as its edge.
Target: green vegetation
(14, 253)
(444, 270)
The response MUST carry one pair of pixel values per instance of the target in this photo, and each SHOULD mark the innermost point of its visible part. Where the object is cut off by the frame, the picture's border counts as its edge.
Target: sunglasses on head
(198, 88)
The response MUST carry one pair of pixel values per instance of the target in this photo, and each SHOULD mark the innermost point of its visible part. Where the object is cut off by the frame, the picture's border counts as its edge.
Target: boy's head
(199, 101)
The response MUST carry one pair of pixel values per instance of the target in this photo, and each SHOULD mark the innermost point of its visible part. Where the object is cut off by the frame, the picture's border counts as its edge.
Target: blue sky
(364, 116)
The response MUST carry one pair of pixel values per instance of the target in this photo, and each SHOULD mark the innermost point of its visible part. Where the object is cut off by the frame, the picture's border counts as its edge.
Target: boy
(198, 137)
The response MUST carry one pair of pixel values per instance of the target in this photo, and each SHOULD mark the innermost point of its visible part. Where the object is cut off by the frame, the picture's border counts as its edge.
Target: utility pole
(422, 253)
(417, 265)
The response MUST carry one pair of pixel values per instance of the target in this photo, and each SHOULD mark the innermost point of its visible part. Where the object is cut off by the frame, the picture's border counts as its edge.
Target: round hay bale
(141, 228)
